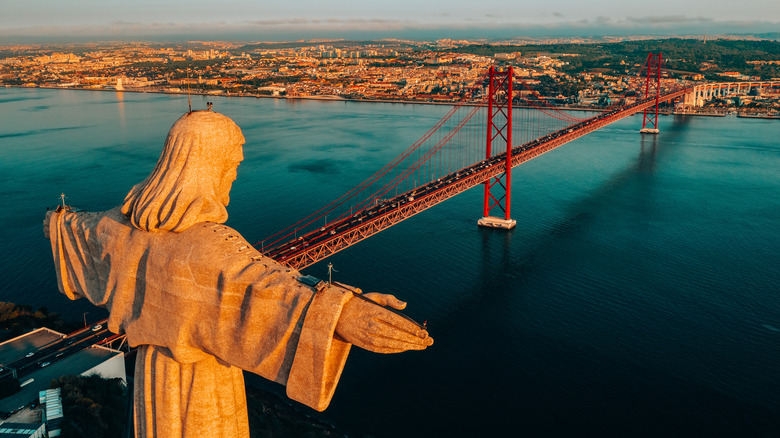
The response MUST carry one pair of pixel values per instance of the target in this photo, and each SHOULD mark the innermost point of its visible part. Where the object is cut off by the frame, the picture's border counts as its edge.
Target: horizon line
(388, 29)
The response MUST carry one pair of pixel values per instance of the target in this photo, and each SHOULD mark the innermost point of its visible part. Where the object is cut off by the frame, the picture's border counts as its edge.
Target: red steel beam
(499, 127)
(654, 77)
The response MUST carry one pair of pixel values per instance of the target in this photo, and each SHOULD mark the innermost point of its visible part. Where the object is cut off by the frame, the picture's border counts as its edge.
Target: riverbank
(759, 116)
(332, 98)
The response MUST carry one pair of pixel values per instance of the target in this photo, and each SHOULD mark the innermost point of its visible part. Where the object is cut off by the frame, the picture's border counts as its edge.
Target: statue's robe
(201, 305)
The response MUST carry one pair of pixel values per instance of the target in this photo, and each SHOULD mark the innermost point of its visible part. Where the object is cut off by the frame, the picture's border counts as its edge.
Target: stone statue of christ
(201, 304)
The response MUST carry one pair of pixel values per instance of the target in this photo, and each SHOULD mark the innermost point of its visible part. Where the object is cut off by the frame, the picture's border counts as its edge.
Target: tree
(9, 386)
(17, 319)
(92, 406)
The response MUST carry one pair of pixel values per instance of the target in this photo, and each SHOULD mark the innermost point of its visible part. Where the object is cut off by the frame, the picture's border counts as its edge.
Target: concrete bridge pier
(496, 222)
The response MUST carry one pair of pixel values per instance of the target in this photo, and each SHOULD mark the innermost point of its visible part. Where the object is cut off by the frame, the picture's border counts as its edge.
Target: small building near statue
(23, 430)
(31, 361)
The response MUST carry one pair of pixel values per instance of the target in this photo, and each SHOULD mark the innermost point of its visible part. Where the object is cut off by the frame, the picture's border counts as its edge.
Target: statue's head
(192, 179)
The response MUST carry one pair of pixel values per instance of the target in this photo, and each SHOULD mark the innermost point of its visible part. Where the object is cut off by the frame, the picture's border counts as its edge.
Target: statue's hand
(377, 329)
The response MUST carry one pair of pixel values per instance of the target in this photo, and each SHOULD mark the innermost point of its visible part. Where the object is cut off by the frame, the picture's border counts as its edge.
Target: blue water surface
(638, 295)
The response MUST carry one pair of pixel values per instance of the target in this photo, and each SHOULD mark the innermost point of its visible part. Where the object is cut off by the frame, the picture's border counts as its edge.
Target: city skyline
(47, 20)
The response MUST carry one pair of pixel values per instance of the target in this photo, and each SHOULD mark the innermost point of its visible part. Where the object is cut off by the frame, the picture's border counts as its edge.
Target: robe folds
(201, 305)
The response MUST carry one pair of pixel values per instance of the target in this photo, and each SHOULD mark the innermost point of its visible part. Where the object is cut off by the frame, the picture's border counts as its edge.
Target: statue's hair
(186, 185)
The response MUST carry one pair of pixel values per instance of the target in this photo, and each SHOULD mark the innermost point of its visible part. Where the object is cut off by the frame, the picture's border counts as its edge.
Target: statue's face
(230, 173)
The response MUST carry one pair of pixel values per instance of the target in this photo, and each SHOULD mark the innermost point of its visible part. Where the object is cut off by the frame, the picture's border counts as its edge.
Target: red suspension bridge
(473, 144)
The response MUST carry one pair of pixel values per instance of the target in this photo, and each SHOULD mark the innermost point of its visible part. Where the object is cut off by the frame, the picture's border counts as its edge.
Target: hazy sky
(285, 19)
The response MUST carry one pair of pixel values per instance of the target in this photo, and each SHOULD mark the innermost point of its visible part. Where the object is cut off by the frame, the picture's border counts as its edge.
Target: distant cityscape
(565, 72)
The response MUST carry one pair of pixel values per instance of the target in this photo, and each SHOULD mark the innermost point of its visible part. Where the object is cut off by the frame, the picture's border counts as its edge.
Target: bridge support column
(498, 190)
(650, 115)
(690, 98)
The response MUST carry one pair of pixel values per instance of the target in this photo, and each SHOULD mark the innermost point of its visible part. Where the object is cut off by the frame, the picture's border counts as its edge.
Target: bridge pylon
(498, 189)
(652, 89)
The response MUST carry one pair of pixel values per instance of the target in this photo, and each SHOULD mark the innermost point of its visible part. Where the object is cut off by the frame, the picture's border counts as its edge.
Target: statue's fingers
(388, 331)
(383, 350)
(395, 303)
(391, 350)
(398, 344)
(386, 300)
(401, 323)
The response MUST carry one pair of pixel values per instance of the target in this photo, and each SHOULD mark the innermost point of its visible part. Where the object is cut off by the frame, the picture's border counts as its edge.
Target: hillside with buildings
(585, 74)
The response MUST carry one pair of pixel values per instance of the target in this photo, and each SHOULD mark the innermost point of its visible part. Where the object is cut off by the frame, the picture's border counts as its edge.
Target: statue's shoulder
(222, 239)
(91, 218)
(115, 214)
(220, 245)
(213, 231)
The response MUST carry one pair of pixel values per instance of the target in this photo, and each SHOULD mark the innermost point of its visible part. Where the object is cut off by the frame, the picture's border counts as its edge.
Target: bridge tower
(498, 189)
(652, 89)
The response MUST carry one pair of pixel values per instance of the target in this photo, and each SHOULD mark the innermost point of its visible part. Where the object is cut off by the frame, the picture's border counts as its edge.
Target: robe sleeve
(319, 356)
(281, 329)
(78, 272)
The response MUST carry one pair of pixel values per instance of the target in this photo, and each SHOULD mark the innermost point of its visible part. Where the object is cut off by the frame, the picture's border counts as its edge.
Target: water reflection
(120, 105)
(647, 154)
(495, 259)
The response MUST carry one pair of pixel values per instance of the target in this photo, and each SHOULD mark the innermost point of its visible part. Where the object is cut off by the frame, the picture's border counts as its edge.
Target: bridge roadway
(327, 240)
(57, 350)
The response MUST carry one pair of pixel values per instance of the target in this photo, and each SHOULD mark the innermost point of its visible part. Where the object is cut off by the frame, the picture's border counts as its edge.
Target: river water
(639, 294)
